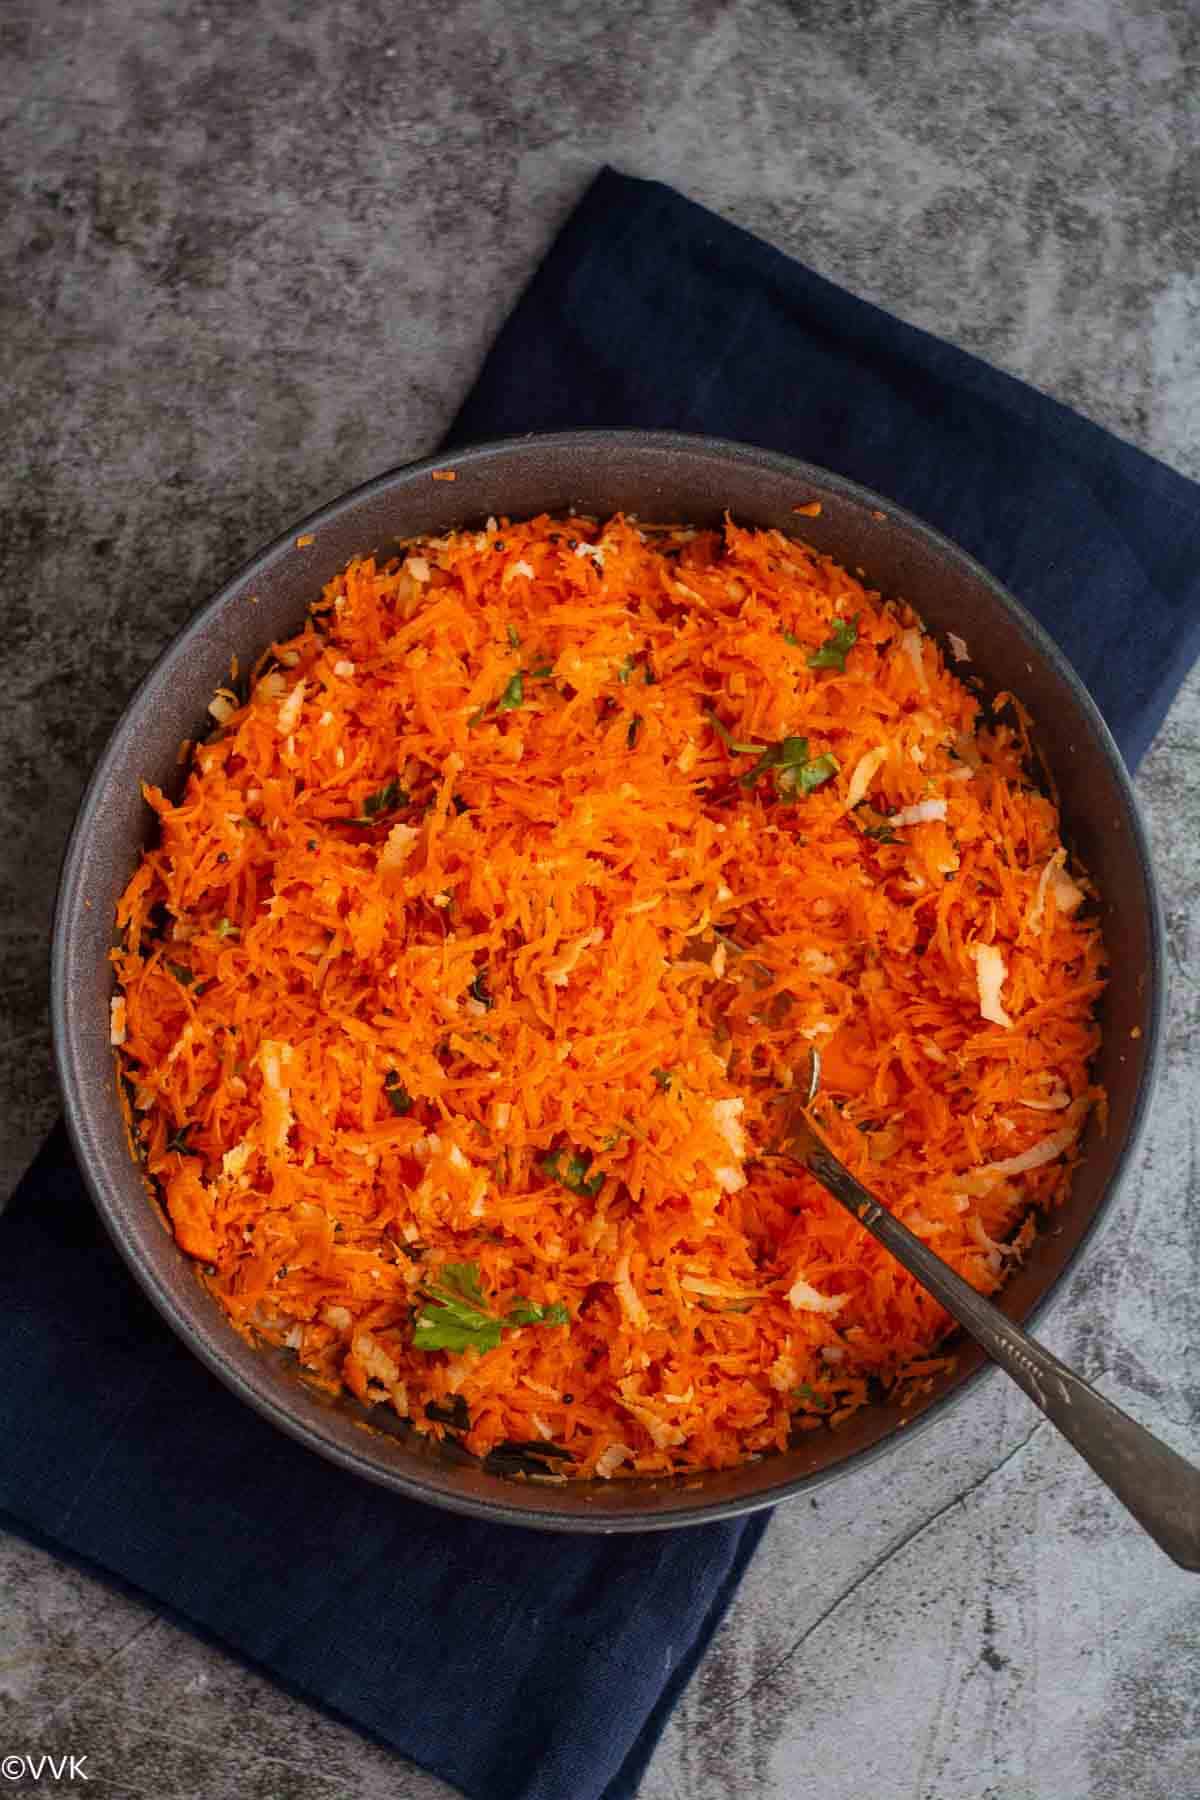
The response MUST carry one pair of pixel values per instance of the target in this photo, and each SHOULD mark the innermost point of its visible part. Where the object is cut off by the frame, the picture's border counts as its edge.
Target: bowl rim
(80, 1104)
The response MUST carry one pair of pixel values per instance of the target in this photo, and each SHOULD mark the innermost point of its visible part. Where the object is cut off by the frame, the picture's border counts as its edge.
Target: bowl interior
(659, 477)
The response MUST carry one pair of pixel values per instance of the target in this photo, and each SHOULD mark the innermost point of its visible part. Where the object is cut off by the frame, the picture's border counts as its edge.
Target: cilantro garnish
(183, 975)
(795, 770)
(807, 773)
(789, 758)
(833, 652)
(573, 1174)
(225, 928)
(512, 695)
(531, 1312)
(456, 1317)
(514, 637)
(728, 739)
(626, 670)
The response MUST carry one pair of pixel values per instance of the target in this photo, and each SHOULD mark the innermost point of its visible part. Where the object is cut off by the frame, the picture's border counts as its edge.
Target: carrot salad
(459, 992)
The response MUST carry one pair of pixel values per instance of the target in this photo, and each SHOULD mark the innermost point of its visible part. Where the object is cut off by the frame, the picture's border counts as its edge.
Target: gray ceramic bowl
(658, 476)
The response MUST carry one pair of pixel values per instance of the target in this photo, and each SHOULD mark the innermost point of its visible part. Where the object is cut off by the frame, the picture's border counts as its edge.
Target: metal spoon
(1157, 1485)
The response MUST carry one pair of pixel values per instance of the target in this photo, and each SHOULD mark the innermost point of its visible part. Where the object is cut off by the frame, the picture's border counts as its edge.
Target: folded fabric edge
(610, 182)
(626, 1784)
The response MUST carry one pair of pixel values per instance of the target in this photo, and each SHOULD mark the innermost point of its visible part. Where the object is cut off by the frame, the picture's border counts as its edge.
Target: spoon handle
(1157, 1485)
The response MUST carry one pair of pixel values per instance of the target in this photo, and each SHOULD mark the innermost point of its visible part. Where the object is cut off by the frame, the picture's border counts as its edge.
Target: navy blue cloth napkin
(650, 311)
(516, 1665)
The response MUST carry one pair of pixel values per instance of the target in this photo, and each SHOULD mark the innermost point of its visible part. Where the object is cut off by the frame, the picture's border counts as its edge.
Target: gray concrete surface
(252, 252)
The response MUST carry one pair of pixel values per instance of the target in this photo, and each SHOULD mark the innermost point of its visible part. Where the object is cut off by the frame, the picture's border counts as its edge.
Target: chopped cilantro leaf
(573, 1174)
(514, 637)
(806, 776)
(794, 769)
(728, 739)
(183, 975)
(456, 1317)
(513, 695)
(531, 1312)
(833, 652)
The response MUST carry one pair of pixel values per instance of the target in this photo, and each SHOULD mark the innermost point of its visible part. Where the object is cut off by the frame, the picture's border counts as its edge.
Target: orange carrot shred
(455, 992)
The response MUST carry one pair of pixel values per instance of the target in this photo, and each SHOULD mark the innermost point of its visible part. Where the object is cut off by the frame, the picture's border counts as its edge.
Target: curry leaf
(478, 988)
(178, 1141)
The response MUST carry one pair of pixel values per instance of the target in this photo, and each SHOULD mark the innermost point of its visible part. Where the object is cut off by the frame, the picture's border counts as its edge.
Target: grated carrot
(460, 979)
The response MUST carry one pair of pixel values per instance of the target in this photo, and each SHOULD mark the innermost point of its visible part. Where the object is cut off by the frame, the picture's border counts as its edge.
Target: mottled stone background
(253, 252)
